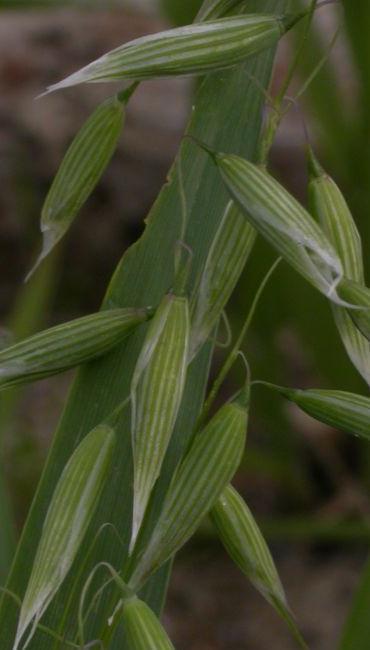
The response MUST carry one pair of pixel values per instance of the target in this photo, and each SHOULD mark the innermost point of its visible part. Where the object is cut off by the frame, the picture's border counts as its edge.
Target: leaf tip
(314, 168)
(49, 239)
(202, 145)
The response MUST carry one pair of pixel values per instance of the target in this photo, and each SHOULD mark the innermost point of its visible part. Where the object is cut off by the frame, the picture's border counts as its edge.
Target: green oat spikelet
(191, 50)
(156, 391)
(69, 514)
(67, 345)
(329, 206)
(246, 546)
(337, 408)
(142, 628)
(80, 171)
(208, 467)
(226, 259)
(282, 221)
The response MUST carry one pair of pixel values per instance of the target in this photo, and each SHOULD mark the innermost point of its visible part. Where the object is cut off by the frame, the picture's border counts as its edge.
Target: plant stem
(277, 114)
(235, 350)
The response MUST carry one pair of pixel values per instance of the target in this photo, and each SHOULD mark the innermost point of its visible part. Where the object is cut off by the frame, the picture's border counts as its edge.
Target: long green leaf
(145, 273)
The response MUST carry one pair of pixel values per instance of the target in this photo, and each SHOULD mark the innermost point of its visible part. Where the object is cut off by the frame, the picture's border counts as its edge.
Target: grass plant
(173, 462)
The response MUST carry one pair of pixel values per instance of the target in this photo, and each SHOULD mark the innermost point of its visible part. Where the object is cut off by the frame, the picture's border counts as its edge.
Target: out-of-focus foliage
(180, 12)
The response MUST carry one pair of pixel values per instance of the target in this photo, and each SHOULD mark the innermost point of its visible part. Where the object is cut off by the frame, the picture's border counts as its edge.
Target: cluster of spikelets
(323, 245)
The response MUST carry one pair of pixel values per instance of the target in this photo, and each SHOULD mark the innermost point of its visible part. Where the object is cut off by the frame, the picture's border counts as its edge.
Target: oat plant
(141, 455)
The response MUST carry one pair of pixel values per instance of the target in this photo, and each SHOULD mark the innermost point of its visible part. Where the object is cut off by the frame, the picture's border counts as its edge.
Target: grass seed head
(207, 468)
(142, 627)
(156, 392)
(283, 222)
(246, 546)
(329, 207)
(68, 517)
(67, 345)
(80, 171)
(228, 254)
(337, 408)
(190, 50)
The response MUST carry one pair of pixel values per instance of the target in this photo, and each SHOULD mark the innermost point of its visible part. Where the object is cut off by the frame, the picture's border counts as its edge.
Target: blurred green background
(305, 481)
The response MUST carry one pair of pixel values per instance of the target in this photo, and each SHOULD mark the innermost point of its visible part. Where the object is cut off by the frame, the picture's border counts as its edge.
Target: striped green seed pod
(208, 467)
(143, 630)
(156, 392)
(282, 221)
(66, 346)
(226, 259)
(339, 409)
(358, 295)
(68, 517)
(246, 546)
(80, 171)
(328, 205)
(191, 50)
(244, 542)
(212, 9)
